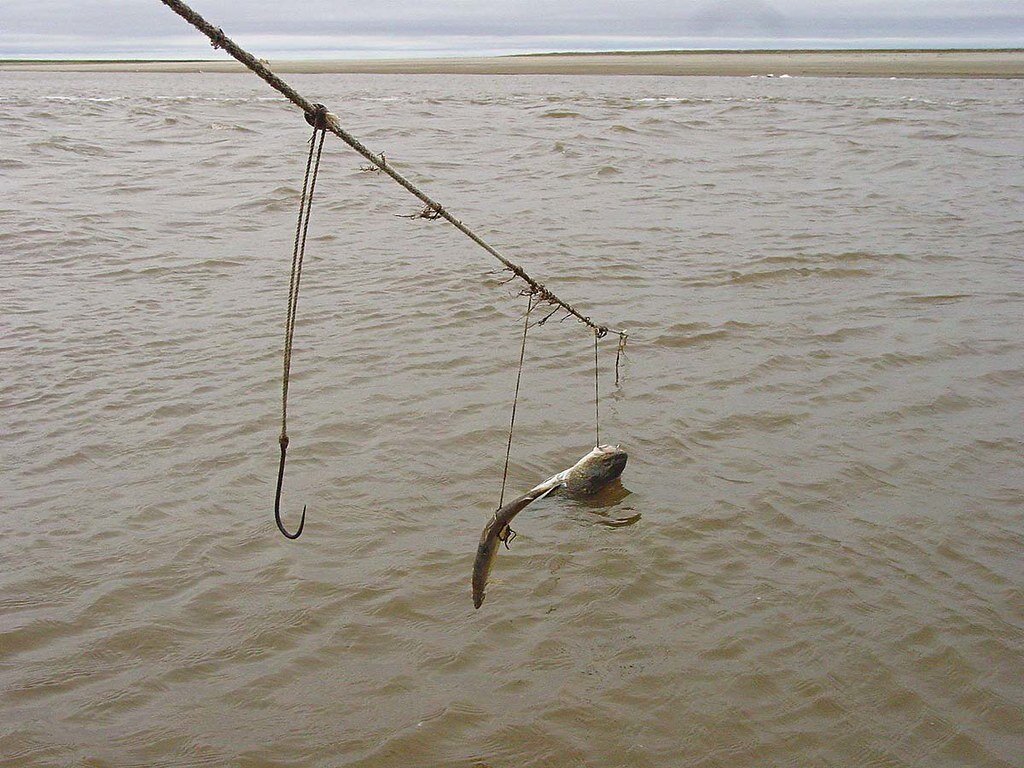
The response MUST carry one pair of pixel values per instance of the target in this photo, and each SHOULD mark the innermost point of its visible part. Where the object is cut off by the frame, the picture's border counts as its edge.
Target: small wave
(843, 257)
(844, 334)
(755, 277)
(230, 127)
(75, 147)
(894, 360)
(765, 421)
(677, 341)
(100, 99)
(670, 100)
(935, 135)
(940, 298)
(562, 149)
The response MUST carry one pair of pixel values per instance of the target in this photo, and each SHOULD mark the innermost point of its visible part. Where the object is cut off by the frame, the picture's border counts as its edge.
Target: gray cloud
(339, 28)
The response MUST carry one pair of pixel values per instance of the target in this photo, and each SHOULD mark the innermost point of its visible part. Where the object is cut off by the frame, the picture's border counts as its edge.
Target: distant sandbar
(916, 63)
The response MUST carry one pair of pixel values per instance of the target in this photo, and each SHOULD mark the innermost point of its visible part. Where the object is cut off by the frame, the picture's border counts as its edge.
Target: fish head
(595, 470)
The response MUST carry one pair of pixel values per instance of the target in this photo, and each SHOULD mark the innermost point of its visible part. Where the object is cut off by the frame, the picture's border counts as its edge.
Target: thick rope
(515, 399)
(433, 209)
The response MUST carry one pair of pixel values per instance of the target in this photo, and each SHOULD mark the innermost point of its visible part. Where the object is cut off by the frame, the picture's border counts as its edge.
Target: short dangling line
(515, 401)
(618, 354)
(597, 407)
(298, 252)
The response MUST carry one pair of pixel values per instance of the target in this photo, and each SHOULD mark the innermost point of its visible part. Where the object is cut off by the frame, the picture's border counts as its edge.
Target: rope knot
(432, 212)
(318, 117)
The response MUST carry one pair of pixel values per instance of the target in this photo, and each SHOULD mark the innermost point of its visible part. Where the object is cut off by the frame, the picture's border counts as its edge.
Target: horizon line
(618, 52)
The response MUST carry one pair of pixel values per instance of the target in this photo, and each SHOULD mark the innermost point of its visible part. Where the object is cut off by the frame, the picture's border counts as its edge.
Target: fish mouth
(614, 459)
(603, 465)
(618, 463)
(611, 452)
(613, 466)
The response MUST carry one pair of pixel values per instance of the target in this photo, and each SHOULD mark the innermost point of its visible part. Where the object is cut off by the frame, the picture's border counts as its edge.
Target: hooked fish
(587, 476)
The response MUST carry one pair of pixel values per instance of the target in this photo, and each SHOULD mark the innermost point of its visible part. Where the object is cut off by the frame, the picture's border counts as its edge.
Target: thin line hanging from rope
(597, 407)
(515, 399)
(298, 253)
(618, 354)
(433, 209)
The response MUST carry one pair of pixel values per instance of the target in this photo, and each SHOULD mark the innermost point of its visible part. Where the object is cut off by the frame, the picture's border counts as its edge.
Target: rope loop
(298, 253)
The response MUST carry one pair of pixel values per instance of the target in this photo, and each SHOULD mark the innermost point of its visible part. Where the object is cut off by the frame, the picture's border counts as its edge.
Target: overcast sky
(404, 28)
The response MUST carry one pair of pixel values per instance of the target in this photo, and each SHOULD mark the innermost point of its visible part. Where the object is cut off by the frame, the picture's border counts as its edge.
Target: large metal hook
(277, 498)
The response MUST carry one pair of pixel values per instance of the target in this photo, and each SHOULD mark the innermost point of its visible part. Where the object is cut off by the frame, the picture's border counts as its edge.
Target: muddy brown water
(822, 400)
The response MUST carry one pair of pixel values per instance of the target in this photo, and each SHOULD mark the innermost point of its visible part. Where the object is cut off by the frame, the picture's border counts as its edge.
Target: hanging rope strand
(515, 399)
(433, 209)
(298, 254)
(597, 407)
(618, 354)
(292, 294)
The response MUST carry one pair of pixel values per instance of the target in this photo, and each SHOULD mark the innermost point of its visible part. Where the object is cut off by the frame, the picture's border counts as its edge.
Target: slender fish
(588, 475)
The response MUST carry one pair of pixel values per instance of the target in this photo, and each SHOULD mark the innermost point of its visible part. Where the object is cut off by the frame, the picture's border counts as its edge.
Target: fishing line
(618, 353)
(298, 253)
(597, 395)
(515, 399)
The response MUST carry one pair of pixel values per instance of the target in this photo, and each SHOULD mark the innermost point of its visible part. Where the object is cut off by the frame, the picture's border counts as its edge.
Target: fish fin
(552, 489)
(553, 482)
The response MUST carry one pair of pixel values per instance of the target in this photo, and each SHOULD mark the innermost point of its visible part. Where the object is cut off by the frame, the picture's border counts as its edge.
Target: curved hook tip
(283, 530)
(277, 496)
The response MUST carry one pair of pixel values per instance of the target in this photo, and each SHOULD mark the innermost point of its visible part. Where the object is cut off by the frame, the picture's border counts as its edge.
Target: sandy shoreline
(943, 64)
